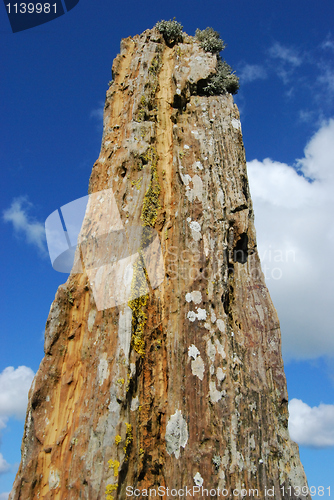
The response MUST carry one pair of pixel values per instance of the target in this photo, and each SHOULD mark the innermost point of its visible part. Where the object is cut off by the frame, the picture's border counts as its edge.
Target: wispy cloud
(311, 426)
(326, 77)
(328, 44)
(286, 55)
(252, 72)
(4, 496)
(98, 111)
(24, 223)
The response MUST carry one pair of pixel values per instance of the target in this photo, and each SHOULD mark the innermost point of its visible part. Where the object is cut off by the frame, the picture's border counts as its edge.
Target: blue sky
(54, 79)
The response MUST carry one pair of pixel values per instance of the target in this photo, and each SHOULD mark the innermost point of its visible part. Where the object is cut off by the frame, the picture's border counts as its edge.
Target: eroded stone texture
(186, 386)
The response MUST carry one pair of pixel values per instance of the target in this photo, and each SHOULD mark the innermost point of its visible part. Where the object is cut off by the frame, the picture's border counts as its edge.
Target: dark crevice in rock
(240, 251)
(239, 208)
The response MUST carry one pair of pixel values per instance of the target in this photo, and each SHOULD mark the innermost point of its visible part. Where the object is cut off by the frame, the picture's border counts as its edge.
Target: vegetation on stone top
(224, 80)
(171, 30)
(210, 40)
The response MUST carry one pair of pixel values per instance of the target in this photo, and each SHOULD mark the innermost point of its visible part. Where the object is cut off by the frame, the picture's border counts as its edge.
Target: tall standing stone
(183, 383)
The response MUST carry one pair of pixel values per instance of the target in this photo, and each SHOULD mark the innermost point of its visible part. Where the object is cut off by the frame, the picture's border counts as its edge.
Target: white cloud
(312, 427)
(98, 112)
(4, 496)
(328, 44)
(23, 223)
(4, 466)
(285, 54)
(252, 72)
(14, 388)
(295, 232)
(326, 77)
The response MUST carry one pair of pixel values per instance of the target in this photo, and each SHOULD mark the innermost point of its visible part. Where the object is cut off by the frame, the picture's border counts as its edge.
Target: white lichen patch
(195, 296)
(200, 315)
(54, 479)
(220, 374)
(195, 228)
(197, 367)
(193, 352)
(220, 349)
(236, 124)
(215, 395)
(198, 165)
(134, 404)
(124, 330)
(91, 319)
(221, 325)
(197, 190)
(176, 434)
(210, 351)
(221, 197)
(198, 480)
(103, 370)
(191, 316)
(213, 317)
(251, 442)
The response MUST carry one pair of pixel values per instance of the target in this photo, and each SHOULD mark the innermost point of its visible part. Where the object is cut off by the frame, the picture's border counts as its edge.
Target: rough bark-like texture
(186, 386)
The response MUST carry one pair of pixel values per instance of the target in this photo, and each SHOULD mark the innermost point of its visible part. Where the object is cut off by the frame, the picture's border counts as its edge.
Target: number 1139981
(30, 8)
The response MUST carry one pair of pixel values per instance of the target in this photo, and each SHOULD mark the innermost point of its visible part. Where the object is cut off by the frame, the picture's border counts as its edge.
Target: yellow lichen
(118, 439)
(121, 381)
(147, 100)
(137, 183)
(114, 464)
(141, 452)
(128, 438)
(151, 203)
(109, 489)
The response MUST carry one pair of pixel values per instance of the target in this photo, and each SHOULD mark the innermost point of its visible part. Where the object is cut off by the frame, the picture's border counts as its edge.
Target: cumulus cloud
(252, 72)
(23, 222)
(313, 427)
(14, 388)
(4, 466)
(294, 208)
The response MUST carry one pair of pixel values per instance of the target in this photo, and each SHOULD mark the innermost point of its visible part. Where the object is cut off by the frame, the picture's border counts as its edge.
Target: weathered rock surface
(185, 385)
